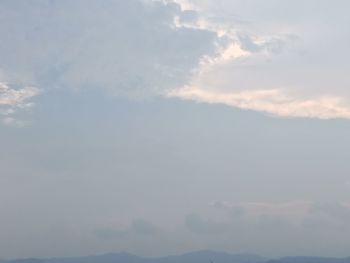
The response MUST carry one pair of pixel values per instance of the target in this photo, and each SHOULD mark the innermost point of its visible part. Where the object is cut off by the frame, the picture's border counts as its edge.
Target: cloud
(204, 226)
(252, 211)
(130, 48)
(337, 211)
(109, 233)
(286, 227)
(13, 100)
(143, 227)
(238, 53)
(273, 101)
(275, 63)
(298, 213)
(139, 227)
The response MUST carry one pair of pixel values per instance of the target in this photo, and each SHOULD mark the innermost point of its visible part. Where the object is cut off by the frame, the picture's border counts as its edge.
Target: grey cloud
(136, 227)
(270, 223)
(332, 210)
(220, 204)
(286, 227)
(235, 211)
(131, 48)
(252, 12)
(248, 44)
(274, 45)
(188, 16)
(143, 227)
(204, 226)
(284, 215)
(109, 233)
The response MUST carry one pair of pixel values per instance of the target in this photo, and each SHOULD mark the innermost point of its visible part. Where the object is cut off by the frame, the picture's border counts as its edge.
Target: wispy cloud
(273, 101)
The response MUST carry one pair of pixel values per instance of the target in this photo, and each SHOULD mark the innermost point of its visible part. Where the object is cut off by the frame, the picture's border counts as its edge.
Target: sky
(163, 127)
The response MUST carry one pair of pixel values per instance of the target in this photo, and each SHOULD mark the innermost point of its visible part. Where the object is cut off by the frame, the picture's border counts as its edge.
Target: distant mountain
(205, 256)
(310, 260)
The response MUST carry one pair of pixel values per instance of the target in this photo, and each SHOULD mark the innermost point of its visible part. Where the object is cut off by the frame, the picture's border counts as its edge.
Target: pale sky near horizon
(162, 127)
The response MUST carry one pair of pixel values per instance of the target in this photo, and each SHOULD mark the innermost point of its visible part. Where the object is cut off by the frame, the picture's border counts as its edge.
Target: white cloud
(273, 101)
(13, 100)
(16, 97)
(274, 63)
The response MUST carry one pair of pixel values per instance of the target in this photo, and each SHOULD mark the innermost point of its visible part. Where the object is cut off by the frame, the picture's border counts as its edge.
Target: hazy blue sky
(161, 127)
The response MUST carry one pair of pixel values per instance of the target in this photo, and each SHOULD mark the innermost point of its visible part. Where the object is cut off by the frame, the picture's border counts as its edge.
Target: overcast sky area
(162, 127)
